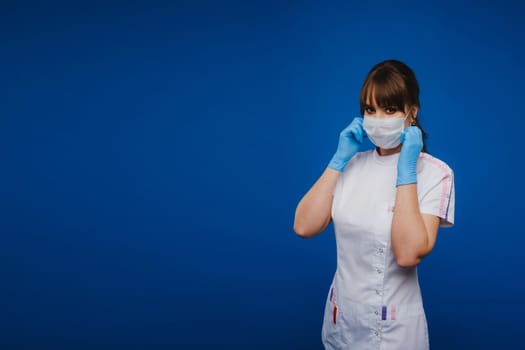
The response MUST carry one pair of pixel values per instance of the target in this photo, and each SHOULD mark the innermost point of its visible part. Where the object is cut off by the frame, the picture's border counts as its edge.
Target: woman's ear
(412, 113)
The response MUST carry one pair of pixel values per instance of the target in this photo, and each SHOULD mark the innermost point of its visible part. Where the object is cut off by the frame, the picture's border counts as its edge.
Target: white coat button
(379, 271)
(376, 312)
(376, 333)
(378, 292)
(380, 250)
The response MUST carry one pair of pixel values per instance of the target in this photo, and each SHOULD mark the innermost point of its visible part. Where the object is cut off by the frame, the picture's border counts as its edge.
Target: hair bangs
(384, 89)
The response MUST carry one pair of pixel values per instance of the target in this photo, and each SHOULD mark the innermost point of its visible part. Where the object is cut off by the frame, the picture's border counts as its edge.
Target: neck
(387, 152)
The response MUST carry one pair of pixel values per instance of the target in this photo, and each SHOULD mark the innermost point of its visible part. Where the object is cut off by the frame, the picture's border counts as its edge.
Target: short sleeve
(339, 184)
(439, 198)
(341, 179)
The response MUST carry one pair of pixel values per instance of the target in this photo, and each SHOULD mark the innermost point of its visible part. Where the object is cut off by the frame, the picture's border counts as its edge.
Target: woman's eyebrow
(385, 106)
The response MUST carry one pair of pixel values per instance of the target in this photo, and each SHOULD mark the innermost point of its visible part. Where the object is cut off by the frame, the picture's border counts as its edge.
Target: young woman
(387, 205)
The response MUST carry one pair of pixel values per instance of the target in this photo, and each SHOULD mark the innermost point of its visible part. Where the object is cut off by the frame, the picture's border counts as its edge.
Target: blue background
(152, 155)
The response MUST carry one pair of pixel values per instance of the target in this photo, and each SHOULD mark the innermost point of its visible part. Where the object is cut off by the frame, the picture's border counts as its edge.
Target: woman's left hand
(412, 140)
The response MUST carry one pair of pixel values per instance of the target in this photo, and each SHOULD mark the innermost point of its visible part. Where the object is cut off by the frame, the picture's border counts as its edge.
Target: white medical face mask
(384, 132)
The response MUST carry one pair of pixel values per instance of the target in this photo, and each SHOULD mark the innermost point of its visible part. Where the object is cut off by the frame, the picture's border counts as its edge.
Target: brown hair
(392, 83)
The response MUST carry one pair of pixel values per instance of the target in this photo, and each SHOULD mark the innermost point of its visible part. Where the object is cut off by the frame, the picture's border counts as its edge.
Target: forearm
(409, 235)
(314, 211)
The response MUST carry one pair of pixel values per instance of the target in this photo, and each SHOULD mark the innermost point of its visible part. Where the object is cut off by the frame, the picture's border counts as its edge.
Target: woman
(387, 205)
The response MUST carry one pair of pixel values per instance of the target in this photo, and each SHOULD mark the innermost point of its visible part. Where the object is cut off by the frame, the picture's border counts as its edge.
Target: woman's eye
(369, 110)
(391, 110)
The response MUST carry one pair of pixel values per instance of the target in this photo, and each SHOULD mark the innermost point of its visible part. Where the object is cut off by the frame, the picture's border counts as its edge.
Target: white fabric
(379, 303)
(384, 132)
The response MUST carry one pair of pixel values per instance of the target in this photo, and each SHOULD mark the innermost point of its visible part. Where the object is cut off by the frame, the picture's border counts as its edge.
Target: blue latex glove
(350, 140)
(412, 140)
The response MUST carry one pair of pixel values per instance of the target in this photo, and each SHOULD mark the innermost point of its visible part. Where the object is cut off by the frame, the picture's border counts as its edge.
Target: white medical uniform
(373, 303)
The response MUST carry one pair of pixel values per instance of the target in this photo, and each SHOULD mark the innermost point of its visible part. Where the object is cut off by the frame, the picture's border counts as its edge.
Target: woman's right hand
(314, 211)
(350, 140)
